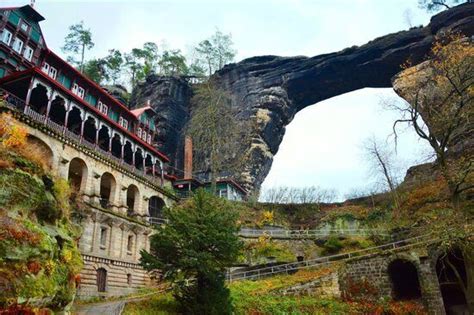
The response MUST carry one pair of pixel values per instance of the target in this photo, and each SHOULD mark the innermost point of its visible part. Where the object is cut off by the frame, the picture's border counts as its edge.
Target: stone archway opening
(451, 272)
(107, 189)
(39, 99)
(41, 150)
(404, 277)
(57, 112)
(77, 174)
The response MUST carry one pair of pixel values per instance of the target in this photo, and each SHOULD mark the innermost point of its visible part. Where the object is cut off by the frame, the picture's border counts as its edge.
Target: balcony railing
(157, 221)
(18, 104)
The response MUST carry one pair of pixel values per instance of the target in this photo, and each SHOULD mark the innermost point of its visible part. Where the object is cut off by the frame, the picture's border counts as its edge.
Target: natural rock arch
(270, 90)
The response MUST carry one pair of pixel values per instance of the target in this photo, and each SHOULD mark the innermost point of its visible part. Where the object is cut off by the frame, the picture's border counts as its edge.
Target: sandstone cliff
(270, 90)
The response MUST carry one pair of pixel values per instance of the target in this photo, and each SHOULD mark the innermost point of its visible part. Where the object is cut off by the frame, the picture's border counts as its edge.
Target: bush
(332, 246)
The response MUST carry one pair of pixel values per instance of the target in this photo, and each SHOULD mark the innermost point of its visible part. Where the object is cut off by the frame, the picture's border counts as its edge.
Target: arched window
(116, 148)
(74, 121)
(90, 130)
(404, 277)
(107, 189)
(155, 208)
(77, 174)
(128, 153)
(104, 138)
(139, 159)
(132, 199)
(101, 280)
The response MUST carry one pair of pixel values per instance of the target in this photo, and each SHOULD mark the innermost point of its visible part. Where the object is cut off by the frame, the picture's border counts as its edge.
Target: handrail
(309, 233)
(285, 268)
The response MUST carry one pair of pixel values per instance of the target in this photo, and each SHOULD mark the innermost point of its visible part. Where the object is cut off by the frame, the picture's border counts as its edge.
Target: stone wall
(112, 239)
(370, 276)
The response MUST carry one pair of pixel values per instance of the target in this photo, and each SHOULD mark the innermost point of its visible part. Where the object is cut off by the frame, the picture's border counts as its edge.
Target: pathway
(108, 308)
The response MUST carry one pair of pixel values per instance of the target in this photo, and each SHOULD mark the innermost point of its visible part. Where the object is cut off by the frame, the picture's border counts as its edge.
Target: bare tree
(302, 195)
(382, 165)
(441, 92)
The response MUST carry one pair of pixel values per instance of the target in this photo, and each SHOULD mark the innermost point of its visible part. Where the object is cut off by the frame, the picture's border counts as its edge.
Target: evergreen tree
(77, 41)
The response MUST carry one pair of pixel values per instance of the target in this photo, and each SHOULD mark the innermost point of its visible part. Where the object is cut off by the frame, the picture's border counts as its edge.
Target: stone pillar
(94, 246)
(48, 107)
(430, 290)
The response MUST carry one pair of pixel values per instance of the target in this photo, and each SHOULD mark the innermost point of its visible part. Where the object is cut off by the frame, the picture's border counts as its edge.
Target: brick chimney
(188, 158)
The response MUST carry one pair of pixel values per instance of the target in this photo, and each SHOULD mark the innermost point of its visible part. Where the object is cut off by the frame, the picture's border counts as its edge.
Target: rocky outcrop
(270, 90)
(170, 98)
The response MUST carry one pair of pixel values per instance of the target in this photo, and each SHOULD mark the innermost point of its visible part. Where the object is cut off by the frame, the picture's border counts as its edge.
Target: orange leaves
(12, 134)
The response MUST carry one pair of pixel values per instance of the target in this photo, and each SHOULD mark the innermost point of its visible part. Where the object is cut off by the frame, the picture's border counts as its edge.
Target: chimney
(188, 158)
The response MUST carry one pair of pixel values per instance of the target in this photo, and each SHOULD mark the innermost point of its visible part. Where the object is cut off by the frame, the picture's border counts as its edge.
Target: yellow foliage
(12, 134)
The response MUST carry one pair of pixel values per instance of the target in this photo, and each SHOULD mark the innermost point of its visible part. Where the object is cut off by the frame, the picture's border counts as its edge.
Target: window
(144, 135)
(79, 91)
(130, 244)
(123, 122)
(139, 132)
(28, 53)
(223, 193)
(45, 68)
(149, 138)
(53, 72)
(103, 237)
(24, 26)
(17, 45)
(129, 279)
(103, 108)
(6, 37)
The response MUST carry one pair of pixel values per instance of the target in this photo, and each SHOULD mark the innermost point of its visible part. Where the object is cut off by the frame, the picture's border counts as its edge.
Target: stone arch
(133, 199)
(108, 185)
(41, 149)
(74, 120)
(454, 299)
(104, 137)
(155, 207)
(90, 129)
(39, 98)
(77, 174)
(57, 111)
(403, 274)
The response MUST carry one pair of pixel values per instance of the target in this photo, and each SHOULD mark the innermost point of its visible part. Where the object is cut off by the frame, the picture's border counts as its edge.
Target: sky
(322, 145)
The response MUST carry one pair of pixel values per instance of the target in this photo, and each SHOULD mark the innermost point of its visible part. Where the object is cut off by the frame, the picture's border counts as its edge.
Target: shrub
(332, 246)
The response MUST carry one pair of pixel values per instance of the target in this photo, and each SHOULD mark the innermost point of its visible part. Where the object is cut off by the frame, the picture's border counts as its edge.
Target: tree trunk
(82, 58)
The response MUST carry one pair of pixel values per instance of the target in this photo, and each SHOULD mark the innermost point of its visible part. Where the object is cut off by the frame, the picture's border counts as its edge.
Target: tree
(113, 65)
(151, 57)
(95, 69)
(77, 41)
(303, 195)
(172, 62)
(215, 131)
(134, 66)
(383, 167)
(215, 52)
(436, 5)
(441, 92)
(193, 251)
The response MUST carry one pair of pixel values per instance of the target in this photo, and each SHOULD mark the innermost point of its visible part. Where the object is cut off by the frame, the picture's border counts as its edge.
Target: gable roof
(29, 11)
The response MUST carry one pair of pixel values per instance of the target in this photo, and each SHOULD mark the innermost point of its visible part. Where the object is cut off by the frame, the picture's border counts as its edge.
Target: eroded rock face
(170, 98)
(270, 90)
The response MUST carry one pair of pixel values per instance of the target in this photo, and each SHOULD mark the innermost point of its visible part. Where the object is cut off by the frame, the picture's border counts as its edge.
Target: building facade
(105, 150)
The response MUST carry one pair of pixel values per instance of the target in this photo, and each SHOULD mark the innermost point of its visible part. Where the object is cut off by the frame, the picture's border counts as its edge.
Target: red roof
(36, 70)
(138, 111)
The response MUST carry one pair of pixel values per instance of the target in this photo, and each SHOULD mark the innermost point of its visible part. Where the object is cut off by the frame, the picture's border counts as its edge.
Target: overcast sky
(322, 146)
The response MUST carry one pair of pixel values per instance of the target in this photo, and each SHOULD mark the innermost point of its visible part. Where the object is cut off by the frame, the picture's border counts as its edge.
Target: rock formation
(270, 90)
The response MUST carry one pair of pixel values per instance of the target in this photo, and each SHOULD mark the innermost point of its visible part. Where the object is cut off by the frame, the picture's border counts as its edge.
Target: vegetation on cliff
(39, 258)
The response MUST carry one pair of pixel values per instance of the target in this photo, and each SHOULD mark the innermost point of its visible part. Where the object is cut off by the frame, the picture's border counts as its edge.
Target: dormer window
(104, 109)
(28, 53)
(6, 37)
(53, 72)
(123, 122)
(45, 68)
(79, 91)
(17, 45)
(24, 26)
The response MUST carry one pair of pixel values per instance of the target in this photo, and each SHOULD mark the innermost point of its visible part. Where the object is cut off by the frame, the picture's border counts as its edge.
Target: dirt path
(108, 308)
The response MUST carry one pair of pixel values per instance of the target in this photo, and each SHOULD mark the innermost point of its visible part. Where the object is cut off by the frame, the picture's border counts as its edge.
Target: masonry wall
(125, 236)
(371, 276)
